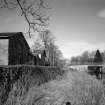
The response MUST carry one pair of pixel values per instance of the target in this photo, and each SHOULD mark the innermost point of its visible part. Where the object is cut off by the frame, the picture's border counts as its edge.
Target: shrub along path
(24, 75)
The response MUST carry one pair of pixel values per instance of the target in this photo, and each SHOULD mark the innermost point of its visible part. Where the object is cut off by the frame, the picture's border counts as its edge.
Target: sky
(78, 25)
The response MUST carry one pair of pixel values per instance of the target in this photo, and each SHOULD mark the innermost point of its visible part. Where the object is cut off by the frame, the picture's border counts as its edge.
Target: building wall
(14, 49)
(18, 52)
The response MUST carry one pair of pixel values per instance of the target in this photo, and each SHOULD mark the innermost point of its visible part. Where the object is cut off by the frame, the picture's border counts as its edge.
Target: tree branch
(32, 12)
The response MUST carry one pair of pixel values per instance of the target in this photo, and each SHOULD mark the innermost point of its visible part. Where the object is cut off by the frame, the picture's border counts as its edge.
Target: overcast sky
(78, 25)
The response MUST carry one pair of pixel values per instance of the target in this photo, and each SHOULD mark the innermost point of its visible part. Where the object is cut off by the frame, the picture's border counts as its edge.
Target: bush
(18, 79)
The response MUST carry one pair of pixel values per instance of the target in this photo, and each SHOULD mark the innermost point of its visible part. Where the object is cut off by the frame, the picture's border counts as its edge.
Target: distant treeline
(88, 57)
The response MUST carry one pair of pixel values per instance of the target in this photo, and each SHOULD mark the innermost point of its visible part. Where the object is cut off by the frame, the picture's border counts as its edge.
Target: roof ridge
(8, 34)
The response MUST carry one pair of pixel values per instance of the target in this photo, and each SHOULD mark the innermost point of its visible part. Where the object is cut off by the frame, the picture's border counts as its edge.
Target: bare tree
(47, 37)
(32, 10)
(98, 57)
(53, 54)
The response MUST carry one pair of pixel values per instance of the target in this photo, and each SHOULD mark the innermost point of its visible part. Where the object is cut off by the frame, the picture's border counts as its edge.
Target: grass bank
(79, 88)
